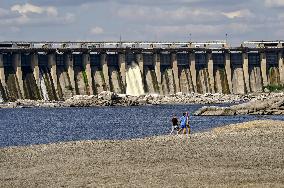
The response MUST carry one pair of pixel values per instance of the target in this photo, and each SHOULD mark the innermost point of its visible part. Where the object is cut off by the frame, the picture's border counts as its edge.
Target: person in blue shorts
(183, 121)
(187, 123)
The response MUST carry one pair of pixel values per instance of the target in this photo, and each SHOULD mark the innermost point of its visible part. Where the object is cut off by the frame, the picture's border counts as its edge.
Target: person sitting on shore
(182, 124)
(175, 126)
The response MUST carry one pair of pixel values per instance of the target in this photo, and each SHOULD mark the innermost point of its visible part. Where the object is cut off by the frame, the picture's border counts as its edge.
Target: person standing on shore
(182, 124)
(174, 124)
(187, 123)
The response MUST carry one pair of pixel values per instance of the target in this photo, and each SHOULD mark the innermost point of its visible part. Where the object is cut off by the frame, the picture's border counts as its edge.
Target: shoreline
(223, 128)
(113, 99)
(243, 154)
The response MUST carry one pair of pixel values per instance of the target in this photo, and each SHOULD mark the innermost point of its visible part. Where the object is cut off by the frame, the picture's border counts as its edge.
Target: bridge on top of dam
(59, 70)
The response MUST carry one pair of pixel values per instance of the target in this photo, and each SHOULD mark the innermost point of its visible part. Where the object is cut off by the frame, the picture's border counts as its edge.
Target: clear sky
(141, 20)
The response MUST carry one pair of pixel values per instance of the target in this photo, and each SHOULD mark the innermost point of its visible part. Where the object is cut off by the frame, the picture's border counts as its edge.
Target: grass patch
(274, 87)
(85, 78)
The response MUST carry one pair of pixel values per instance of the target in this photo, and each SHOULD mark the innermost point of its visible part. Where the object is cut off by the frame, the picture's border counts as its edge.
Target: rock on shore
(244, 155)
(258, 106)
(103, 99)
(112, 99)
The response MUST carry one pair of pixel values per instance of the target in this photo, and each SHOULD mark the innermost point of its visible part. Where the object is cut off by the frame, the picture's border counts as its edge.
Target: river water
(28, 126)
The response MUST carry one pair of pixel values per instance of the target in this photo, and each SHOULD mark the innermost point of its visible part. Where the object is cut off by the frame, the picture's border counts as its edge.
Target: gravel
(249, 154)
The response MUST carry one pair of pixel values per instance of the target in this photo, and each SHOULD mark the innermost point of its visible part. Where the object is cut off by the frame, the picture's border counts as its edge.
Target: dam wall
(58, 73)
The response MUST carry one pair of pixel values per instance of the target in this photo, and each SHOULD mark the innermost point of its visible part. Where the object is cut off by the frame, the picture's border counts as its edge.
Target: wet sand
(249, 154)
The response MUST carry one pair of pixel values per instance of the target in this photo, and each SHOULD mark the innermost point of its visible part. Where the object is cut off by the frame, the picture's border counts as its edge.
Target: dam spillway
(60, 70)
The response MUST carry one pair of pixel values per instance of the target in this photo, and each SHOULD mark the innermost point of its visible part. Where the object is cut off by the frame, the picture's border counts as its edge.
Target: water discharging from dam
(43, 87)
(2, 93)
(134, 80)
(1, 98)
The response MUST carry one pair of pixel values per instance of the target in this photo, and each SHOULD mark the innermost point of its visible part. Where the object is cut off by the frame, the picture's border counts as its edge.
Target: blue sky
(159, 20)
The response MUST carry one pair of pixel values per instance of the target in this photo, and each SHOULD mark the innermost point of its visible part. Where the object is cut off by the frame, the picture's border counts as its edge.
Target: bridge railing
(113, 44)
(264, 44)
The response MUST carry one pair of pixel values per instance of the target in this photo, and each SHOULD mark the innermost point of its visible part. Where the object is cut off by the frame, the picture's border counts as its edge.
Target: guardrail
(114, 44)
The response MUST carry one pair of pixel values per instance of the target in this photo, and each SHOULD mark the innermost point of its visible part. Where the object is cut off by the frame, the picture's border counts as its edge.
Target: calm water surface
(47, 125)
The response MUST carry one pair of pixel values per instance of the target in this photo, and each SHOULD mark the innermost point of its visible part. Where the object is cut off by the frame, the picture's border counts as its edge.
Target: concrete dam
(59, 70)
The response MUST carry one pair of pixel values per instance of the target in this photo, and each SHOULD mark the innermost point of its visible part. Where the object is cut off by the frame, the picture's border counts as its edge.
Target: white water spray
(1, 97)
(134, 80)
(43, 87)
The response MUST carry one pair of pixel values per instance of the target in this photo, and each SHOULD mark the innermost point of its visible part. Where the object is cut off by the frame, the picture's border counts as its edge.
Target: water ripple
(48, 125)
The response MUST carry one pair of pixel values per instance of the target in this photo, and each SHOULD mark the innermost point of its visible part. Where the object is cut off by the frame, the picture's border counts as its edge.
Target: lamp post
(226, 37)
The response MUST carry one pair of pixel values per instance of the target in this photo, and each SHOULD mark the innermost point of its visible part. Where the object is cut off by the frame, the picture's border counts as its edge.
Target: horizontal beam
(110, 44)
(264, 42)
(139, 50)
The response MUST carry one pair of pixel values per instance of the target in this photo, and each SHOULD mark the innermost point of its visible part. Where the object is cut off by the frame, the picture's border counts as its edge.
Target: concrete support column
(281, 67)
(139, 60)
(193, 70)
(104, 66)
(2, 72)
(87, 67)
(35, 68)
(16, 63)
(211, 72)
(51, 61)
(246, 72)
(263, 68)
(175, 71)
(122, 67)
(228, 71)
(70, 69)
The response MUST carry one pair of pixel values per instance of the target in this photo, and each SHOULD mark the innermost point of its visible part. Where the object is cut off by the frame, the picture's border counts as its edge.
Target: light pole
(226, 38)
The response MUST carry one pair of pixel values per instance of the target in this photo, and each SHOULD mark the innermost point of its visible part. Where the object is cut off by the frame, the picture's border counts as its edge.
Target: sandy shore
(249, 154)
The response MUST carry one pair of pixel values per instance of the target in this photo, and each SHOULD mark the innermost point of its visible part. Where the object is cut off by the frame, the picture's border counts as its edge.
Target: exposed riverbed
(244, 155)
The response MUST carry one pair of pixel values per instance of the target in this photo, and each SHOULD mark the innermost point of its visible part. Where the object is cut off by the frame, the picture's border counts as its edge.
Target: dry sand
(243, 155)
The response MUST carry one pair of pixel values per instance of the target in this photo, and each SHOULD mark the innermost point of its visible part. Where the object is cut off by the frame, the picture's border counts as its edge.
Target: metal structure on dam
(59, 70)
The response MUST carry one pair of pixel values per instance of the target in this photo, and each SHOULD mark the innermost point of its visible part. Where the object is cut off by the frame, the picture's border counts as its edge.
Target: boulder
(266, 90)
(108, 95)
(214, 111)
(260, 106)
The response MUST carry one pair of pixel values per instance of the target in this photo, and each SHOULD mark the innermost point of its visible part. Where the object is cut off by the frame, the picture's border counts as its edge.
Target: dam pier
(60, 70)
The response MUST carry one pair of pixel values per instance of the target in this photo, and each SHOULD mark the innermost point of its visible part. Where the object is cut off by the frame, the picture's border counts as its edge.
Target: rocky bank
(273, 105)
(113, 99)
